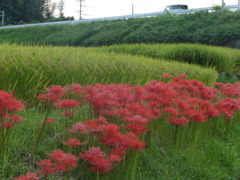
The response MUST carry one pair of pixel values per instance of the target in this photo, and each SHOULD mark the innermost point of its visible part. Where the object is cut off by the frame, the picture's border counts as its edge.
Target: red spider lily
(28, 176)
(93, 127)
(177, 121)
(53, 93)
(76, 89)
(165, 75)
(79, 128)
(96, 126)
(115, 158)
(160, 94)
(101, 165)
(194, 88)
(62, 161)
(228, 106)
(182, 76)
(131, 135)
(50, 121)
(136, 128)
(112, 137)
(8, 104)
(98, 159)
(230, 90)
(133, 144)
(105, 97)
(118, 151)
(208, 109)
(15, 118)
(73, 142)
(121, 112)
(7, 125)
(196, 115)
(67, 103)
(93, 152)
(171, 110)
(139, 109)
(138, 94)
(46, 166)
(138, 119)
(67, 113)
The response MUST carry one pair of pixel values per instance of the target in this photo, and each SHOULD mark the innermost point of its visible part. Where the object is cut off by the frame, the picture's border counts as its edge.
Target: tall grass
(26, 71)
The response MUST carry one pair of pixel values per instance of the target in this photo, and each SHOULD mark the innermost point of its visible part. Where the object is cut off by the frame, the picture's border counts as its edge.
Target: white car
(176, 7)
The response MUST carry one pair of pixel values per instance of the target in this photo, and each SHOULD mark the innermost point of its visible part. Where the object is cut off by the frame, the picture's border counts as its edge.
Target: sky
(108, 8)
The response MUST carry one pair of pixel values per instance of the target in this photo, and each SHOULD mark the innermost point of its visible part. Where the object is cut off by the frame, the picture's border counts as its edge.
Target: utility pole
(133, 9)
(80, 12)
(239, 4)
(2, 17)
(223, 4)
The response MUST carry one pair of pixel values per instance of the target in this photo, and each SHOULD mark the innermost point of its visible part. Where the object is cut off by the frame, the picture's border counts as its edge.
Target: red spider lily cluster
(8, 105)
(28, 176)
(58, 162)
(122, 114)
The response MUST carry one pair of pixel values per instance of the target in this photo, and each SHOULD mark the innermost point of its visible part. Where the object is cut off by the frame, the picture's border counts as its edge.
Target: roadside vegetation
(203, 27)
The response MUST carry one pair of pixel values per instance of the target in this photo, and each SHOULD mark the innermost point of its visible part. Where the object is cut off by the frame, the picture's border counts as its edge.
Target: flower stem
(40, 133)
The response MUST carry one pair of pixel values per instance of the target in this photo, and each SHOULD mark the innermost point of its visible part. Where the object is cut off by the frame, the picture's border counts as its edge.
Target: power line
(104, 8)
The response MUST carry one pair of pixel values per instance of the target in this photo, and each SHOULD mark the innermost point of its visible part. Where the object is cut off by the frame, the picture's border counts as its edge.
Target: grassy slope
(206, 28)
(215, 158)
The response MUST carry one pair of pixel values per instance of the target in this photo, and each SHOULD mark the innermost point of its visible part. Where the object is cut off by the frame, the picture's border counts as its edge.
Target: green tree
(27, 10)
(61, 8)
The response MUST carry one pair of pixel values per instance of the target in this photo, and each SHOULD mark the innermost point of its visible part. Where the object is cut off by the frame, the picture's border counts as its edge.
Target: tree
(27, 10)
(48, 9)
(61, 8)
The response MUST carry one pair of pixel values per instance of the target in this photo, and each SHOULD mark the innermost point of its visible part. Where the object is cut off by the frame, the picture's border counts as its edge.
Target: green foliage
(26, 10)
(26, 71)
(216, 28)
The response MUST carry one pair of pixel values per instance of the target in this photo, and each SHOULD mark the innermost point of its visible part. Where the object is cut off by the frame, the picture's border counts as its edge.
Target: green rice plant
(223, 59)
(26, 70)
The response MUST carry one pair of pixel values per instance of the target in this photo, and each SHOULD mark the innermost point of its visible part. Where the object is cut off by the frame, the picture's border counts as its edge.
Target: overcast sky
(107, 8)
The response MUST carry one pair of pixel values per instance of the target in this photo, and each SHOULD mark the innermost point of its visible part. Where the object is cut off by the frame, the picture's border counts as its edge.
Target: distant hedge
(216, 28)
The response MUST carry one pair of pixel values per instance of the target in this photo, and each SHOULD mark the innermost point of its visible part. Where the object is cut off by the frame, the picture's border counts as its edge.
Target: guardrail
(177, 12)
